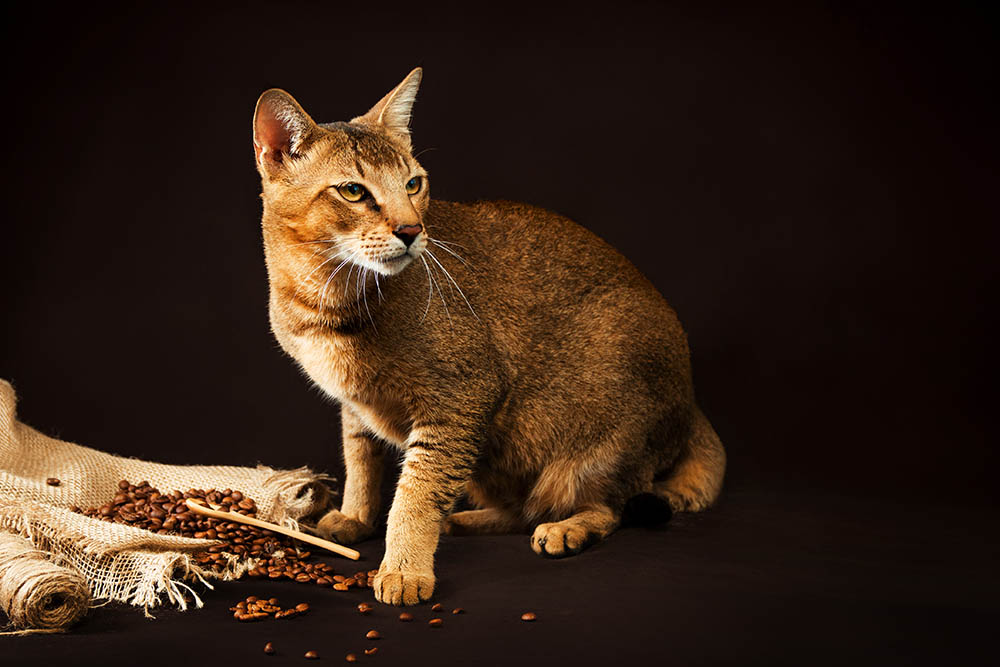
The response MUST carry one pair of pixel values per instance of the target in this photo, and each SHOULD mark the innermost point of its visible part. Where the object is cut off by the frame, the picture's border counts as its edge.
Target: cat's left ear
(393, 111)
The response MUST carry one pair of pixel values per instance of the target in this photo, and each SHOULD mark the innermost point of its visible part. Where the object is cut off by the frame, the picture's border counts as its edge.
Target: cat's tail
(695, 480)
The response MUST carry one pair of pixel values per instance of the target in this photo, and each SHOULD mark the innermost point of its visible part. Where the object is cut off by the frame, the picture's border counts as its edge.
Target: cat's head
(349, 191)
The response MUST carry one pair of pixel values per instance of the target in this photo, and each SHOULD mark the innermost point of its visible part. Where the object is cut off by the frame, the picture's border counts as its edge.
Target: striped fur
(508, 355)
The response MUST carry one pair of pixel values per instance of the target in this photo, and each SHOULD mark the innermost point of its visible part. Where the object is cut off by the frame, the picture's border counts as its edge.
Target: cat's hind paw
(403, 588)
(561, 539)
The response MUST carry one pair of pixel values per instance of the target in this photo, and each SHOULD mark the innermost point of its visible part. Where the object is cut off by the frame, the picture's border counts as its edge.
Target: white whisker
(441, 294)
(471, 309)
(449, 250)
(430, 293)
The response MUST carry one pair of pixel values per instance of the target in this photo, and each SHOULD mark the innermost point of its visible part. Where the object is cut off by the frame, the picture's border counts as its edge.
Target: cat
(520, 360)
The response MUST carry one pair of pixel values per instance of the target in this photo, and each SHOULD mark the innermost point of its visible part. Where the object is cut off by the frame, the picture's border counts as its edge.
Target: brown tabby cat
(521, 360)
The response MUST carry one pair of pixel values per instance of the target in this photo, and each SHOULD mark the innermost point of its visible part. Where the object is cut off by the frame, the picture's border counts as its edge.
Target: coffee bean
(311, 655)
(273, 601)
(371, 651)
(373, 634)
(528, 616)
(458, 610)
(302, 607)
(406, 617)
(53, 481)
(339, 587)
(437, 607)
(350, 657)
(435, 622)
(365, 608)
(269, 648)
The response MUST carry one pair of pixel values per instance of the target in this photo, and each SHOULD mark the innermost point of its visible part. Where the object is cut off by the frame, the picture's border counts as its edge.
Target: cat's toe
(403, 588)
(557, 540)
(341, 528)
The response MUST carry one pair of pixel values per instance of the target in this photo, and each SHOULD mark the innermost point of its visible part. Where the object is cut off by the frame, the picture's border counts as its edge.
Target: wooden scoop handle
(201, 508)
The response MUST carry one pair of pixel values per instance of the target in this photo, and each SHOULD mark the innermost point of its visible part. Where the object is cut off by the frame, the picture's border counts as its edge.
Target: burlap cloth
(118, 561)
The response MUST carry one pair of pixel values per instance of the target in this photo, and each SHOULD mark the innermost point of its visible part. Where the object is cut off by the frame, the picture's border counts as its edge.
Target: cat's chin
(393, 266)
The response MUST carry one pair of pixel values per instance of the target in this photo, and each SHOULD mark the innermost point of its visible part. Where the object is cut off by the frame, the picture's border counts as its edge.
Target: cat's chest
(338, 372)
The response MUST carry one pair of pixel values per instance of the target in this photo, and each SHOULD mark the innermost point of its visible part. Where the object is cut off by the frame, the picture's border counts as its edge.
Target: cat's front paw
(403, 588)
(343, 529)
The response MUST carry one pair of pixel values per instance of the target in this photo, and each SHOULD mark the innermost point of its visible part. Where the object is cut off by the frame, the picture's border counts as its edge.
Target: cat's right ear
(281, 130)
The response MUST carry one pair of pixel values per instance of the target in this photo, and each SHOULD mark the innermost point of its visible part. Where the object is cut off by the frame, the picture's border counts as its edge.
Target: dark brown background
(813, 189)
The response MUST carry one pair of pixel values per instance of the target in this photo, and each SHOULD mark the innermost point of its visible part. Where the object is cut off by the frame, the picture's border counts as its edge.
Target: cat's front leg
(434, 473)
(363, 461)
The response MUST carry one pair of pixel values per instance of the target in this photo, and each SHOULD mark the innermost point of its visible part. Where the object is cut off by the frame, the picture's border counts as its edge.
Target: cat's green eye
(413, 185)
(352, 191)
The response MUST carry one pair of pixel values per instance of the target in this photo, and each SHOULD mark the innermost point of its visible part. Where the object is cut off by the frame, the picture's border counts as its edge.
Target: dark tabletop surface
(763, 578)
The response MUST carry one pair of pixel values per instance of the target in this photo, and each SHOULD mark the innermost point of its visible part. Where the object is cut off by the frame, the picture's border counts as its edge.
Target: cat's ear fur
(392, 113)
(281, 129)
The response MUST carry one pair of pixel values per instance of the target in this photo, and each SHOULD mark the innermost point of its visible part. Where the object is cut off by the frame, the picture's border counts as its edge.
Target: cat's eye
(352, 191)
(413, 185)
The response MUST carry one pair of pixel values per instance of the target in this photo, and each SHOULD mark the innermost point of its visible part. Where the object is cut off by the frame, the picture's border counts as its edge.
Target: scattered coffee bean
(437, 607)
(371, 651)
(528, 616)
(351, 657)
(53, 481)
(365, 608)
(458, 610)
(373, 634)
(406, 617)
(269, 648)
(302, 607)
(311, 655)
(435, 622)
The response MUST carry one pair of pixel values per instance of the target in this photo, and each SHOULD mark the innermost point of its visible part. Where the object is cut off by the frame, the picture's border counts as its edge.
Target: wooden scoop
(208, 510)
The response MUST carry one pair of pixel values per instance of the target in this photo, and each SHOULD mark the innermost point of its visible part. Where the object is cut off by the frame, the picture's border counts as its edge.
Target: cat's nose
(406, 233)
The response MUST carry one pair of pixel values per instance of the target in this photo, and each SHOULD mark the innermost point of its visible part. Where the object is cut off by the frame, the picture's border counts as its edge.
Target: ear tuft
(281, 129)
(394, 110)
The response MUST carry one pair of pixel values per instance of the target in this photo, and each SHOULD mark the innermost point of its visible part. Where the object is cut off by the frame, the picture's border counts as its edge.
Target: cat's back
(540, 275)
(514, 244)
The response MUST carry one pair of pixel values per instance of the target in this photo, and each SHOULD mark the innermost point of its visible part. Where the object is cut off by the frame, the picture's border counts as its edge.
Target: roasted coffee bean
(437, 607)
(371, 651)
(458, 610)
(311, 655)
(269, 648)
(528, 616)
(302, 607)
(373, 634)
(435, 622)
(339, 587)
(365, 608)
(406, 617)
(350, 657)
(302, 578)
(53, 481)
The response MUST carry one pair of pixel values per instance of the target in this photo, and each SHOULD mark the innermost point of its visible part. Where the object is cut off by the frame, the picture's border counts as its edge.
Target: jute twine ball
(35, 593)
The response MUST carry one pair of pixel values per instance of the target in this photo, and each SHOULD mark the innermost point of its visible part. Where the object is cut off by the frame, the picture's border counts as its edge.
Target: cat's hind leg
(488, 521)
(572, 535)
(695, 480)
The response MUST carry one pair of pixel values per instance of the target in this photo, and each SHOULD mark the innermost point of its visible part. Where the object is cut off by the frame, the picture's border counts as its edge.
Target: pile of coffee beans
(257, 609)
(143, 506)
